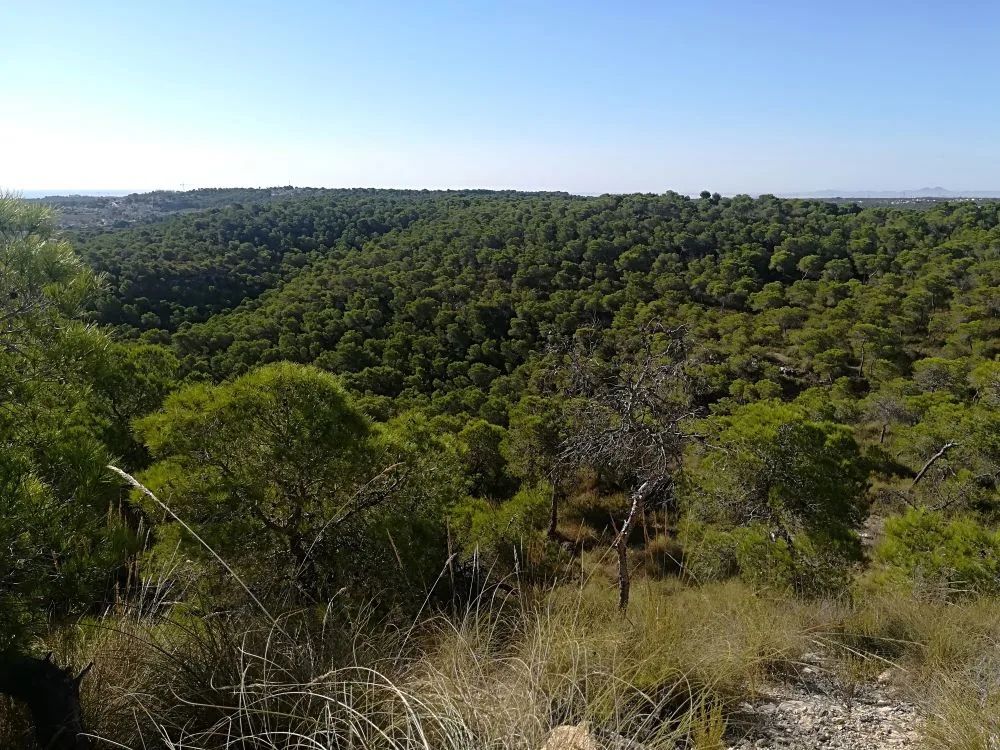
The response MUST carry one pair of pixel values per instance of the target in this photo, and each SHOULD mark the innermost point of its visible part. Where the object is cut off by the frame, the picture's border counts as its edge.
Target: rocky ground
(813, 710)
(810, 710)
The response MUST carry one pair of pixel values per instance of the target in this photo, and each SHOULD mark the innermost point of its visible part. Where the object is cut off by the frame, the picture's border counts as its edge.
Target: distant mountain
(925, 192)
(72, 193)
(82, 210)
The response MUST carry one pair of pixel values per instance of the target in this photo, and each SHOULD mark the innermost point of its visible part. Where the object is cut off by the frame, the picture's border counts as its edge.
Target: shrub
(759, 558)
(508, 537)
(788, 490)
(931, 552)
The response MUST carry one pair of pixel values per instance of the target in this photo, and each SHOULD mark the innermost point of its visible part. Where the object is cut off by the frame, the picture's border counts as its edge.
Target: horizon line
(869, 193)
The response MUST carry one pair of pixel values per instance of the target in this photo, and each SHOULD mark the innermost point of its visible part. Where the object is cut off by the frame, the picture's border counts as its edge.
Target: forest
(452, 469)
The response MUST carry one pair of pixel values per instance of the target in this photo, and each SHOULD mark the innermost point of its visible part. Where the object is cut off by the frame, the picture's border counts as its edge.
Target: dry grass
(15, 730)
(503, 674)
(951, 662)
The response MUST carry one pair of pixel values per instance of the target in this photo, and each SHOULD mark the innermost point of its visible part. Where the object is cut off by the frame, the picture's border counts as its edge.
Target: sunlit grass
(508, 669)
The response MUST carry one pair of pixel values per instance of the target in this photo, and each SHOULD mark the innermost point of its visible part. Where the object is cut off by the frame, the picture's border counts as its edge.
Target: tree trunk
(553, 512)
(52, 696)
(793, 553)
(624, 578)
(621, 543)
(306, 575)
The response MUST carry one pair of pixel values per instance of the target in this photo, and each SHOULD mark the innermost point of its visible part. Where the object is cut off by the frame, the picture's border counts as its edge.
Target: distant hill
(33, 194)
(926, 192)
(423, 294)
(80, 211)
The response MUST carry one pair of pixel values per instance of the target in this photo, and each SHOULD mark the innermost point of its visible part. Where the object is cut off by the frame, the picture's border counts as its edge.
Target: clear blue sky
(581, 96)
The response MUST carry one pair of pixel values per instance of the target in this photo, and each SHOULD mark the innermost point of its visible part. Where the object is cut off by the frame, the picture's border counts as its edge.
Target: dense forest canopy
(871, 334)
(340, 395)
(448, 296)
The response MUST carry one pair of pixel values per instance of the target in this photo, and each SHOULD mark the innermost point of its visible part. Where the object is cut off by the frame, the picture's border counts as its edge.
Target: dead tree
(930, 462)
(625, 421)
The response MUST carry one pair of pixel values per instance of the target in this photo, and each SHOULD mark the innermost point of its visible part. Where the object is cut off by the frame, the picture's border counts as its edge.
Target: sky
(587, 97)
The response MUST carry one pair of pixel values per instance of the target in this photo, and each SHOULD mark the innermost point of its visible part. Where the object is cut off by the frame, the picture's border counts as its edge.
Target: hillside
(117, 211)
(421, 295)
(409, 469)
(187, 269)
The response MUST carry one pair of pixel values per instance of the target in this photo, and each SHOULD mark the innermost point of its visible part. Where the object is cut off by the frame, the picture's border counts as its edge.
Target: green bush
(508, 536)
(749, 553)
(929, 551)
(487, 525)
(709, 552)
(754, 555)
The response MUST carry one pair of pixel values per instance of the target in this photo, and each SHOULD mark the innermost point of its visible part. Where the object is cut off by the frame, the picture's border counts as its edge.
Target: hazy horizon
(779, 98)
(827, 192)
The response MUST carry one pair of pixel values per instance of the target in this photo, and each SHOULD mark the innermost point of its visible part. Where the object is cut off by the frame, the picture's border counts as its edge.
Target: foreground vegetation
(394, 452)
(502, 672)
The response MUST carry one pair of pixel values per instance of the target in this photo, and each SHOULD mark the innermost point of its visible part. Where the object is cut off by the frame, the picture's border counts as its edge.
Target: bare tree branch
(930, 462)
(626, 418)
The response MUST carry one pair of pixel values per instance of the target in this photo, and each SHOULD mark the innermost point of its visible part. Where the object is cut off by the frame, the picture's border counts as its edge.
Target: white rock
(887, 676)
(569, 737)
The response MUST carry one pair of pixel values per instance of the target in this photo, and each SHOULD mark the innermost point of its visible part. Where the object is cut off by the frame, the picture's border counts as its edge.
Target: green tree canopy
(769, 466)
(63, 543)
(58, 554)
(284, 457)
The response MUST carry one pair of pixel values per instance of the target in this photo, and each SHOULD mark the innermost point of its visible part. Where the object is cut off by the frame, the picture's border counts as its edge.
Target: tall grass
(500, 674)
(503, 672)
